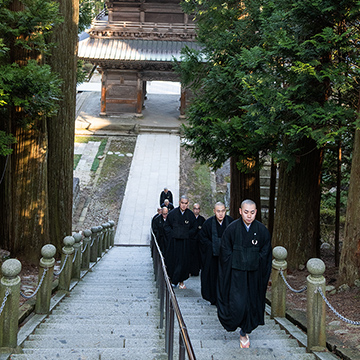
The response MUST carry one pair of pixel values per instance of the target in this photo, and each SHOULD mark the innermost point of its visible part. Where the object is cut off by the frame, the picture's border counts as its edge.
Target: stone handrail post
(278, 286)
(101, 240)
(10, 284)
(105, 236)
(86, 255)
(108, 236)
(67, 255)
(112, 232)
(316, 334)
(95, 240)
(75, 273)
(47, 263)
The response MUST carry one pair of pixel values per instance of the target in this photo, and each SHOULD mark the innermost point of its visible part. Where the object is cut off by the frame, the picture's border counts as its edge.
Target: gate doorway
(163, 99)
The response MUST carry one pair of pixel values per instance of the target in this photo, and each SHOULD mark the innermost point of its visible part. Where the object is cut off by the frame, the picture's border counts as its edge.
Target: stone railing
(316, 300)
(78, 252)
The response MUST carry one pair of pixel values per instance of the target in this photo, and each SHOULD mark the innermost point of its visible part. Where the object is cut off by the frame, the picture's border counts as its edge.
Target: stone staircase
(113, 313)
(212, 342)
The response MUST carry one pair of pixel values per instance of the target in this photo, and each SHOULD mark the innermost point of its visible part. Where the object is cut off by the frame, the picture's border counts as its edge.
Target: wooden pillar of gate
(103, 92)
(182, 102)
(140, 97)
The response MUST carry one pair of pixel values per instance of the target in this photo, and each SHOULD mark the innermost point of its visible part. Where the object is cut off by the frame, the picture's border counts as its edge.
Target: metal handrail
(172, 304)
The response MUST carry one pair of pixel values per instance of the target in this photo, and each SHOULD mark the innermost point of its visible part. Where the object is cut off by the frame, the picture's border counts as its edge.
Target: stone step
(255, 343)
(146, 310)
(143, 330)
(110, 320)
(148, 353)
(128, 300)
(62, 341)
(124, 329)
(251, 354)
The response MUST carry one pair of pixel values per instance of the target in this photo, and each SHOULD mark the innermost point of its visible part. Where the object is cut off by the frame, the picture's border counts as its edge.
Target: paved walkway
(155, 165)
(156, 158)
(88, 153)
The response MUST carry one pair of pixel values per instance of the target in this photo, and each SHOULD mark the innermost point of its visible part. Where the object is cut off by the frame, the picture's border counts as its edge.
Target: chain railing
(85, 248)
(288, 285)
(7, 293)
(62, 266)
(72, 256)
(341, 317)
(37, 288)
(316, 324)
(171, 307)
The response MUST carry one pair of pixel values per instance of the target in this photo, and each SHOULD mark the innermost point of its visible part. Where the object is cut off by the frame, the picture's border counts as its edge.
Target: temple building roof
(132, 49)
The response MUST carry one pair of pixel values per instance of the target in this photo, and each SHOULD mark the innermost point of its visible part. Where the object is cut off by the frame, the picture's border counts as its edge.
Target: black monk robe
(179, 229)
(195, 260)
(244, 270)
(210, 237)
(158, 229)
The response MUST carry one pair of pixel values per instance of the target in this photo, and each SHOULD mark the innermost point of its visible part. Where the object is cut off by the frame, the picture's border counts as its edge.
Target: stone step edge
(299, 335)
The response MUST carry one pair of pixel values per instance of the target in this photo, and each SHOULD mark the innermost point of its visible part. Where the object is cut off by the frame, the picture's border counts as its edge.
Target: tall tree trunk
(23, 192)
(244, 185)
(297, 220)
(24, 202)
(272, 196)
(337, 206)
(349, 269)
(61, 128)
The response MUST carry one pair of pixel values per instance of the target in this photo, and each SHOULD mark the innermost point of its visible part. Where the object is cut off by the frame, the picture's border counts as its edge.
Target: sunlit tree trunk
(244, 185)
(62, 127)
(23, 192)
(296, 225)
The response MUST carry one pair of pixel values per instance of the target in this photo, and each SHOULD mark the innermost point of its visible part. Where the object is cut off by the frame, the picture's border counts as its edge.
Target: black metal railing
(169, 307)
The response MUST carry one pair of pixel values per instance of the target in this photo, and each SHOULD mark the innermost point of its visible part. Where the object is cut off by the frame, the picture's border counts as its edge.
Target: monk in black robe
(180, 229)
(244, 270)
(195, 259)
(168, 204)
(158, 228)
(158, 212)
(210, 238)
(166, 194)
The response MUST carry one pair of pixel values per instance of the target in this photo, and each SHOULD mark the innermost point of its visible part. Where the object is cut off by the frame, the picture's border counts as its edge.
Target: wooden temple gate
(137, 42)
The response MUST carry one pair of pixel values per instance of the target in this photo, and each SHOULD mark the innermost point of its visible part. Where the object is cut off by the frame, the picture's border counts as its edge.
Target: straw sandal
(245, 344)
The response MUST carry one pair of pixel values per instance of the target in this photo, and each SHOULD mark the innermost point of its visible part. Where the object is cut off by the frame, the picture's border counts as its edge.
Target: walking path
(155, 165)
(88, 152)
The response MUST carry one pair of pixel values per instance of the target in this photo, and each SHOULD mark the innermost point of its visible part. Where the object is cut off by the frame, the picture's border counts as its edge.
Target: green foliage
(26, 85)
(270, 74)
(80, 72)
(77, 158)
(5, 141)
(24, 90)
(30, 27)
(100, 152)
(87, 12)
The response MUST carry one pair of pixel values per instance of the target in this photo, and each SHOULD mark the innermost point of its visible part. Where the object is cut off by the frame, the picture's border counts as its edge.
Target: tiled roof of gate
(132, 50)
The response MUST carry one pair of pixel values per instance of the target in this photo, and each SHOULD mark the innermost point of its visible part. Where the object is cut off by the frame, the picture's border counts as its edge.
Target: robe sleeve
(266, 258)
